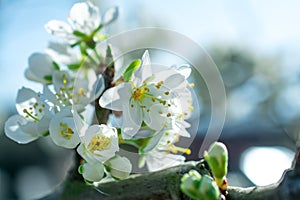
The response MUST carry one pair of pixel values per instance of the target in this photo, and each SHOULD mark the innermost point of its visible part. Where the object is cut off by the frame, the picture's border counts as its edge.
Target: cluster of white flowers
(154, 101)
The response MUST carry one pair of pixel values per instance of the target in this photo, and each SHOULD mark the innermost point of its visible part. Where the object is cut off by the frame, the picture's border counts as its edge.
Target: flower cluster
(153, 102)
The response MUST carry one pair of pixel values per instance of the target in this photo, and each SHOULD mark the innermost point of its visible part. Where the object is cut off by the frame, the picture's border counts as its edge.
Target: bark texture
(165, 185)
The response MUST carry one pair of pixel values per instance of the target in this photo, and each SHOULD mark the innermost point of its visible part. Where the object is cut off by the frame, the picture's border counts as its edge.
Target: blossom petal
(160, 160)
(144, 71)
(59, 29)
(80, 125)
(174, 80)
(63, 131)
(110, 15)
(86, 155)
(13, 130)
(49, 96)
(84, 17)
(61, 52)
(132, 120)
(115, 97)
(40, 65)
(154, 141)
(157, 117)
(185, 70)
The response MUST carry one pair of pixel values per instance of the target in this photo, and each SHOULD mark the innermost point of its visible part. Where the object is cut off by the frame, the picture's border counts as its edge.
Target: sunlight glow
(265, 165)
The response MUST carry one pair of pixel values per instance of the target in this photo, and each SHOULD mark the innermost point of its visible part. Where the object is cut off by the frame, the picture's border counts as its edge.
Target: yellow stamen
(66, 131)
(174, 149)
(99, 143)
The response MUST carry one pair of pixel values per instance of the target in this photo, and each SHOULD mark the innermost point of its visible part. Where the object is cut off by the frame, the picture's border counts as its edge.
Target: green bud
(199, 187)
(217, 159)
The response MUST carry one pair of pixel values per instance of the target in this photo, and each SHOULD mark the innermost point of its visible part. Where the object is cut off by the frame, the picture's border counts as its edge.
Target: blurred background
(254, 44)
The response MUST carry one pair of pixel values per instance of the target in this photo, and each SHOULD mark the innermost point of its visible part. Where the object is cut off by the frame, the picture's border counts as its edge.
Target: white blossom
(157, 99)
(62, 53)
(158, 160)
(84, 18)
(40, 68)
(33, 119)
(99, 143)
(63, 130)
(72, 89)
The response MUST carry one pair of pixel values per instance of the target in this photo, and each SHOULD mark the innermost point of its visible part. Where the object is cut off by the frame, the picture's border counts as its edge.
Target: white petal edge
(14, 131)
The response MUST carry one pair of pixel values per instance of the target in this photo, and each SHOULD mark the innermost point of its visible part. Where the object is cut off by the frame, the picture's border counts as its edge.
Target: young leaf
(132, 67)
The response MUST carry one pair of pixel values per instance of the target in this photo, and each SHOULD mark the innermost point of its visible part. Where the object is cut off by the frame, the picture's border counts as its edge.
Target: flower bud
(217, 159)
(119, 167)
(199, 187)
(92, 172)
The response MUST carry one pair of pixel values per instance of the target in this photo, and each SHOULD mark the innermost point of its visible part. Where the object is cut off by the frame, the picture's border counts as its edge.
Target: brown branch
(165, 184)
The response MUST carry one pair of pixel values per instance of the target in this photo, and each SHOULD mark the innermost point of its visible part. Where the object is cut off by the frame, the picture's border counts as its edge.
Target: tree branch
(165, 184)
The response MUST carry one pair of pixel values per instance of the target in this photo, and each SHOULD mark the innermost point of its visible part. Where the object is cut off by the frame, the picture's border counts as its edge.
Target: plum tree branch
(165, 184)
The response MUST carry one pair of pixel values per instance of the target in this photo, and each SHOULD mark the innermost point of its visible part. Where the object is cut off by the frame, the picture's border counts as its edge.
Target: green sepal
(88, 182)
(74, 66)
(55, 65)
(96, 30)
(79, 34)
(132, 67)
(142, 161)
(75, 44)
(48, 78)
(83, 48)
(46, 134)
(80, 169)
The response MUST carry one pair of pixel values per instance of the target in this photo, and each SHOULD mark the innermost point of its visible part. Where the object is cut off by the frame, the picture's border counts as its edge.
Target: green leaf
(132, 67)
(55, 65)
(48, 78)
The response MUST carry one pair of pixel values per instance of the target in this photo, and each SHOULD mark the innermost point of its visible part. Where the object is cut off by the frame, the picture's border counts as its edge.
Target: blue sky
(267, 27)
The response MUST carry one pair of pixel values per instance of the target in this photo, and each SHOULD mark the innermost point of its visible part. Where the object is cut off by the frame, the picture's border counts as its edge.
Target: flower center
(66, 131)
(67, 95)
(138, 94)
(35, 112)
(98, 143)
